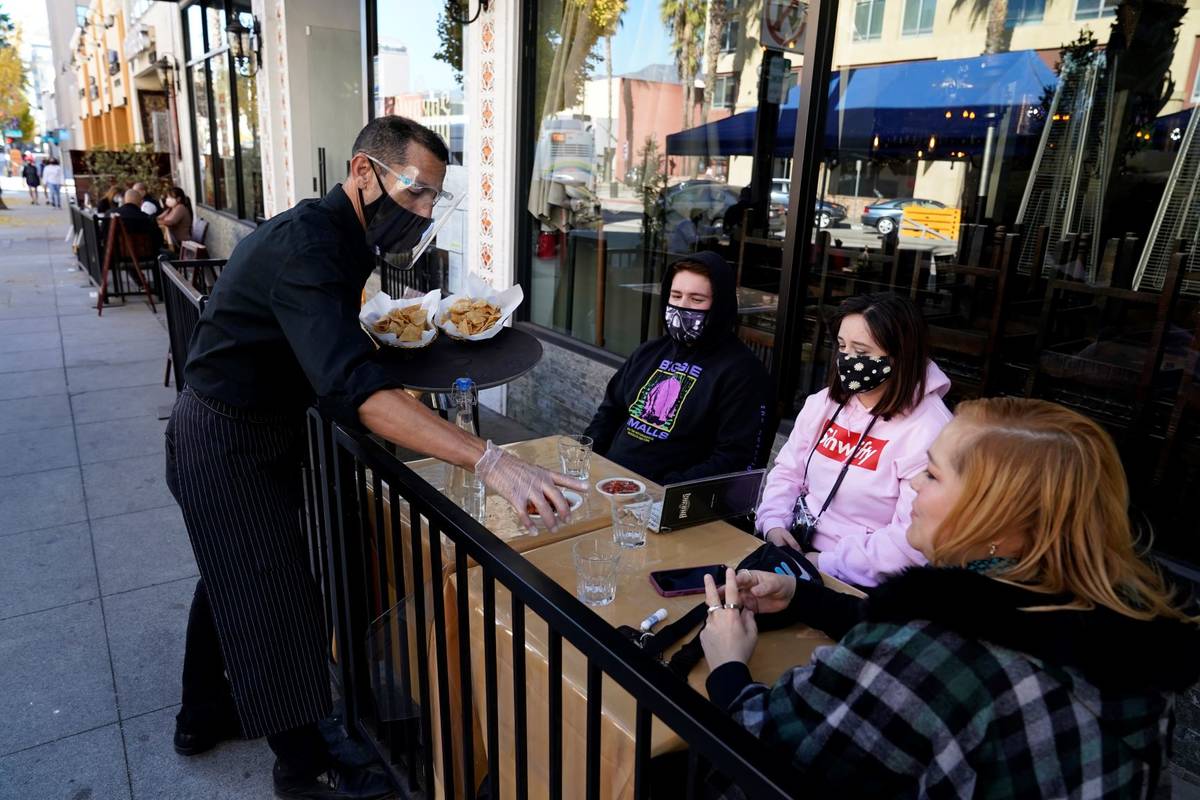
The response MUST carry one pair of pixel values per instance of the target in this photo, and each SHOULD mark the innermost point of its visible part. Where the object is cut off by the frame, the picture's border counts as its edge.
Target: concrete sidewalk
(96, 573)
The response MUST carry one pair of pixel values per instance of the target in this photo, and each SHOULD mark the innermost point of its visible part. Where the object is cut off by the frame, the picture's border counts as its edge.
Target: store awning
(955, 100)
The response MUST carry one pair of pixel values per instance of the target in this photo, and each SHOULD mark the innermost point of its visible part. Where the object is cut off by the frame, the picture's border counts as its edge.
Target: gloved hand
(523, 484)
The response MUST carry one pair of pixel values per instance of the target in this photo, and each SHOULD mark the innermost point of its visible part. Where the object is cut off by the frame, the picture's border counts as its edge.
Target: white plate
(572, 497)
(641, 487)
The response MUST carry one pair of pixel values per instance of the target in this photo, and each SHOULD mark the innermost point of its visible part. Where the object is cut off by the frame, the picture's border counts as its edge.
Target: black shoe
(192, 740)
(339, 783)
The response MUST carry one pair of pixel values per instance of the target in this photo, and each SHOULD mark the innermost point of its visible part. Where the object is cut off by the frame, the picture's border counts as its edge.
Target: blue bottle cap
(464, 385)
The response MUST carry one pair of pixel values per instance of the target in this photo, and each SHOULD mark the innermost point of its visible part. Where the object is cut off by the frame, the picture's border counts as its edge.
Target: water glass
(596, 562)
(630, 516)
(474, 500)
(575, 455)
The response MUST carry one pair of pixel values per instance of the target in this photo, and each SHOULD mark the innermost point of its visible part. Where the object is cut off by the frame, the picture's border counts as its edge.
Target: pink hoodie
(862, 534)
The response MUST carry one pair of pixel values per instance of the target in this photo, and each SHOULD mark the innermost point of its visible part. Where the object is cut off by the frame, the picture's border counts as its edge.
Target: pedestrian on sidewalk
(30, 173)
(52, 175)
(279, 332)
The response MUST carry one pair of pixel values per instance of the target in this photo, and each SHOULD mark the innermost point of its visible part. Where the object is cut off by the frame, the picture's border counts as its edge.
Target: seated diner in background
(109, 201)
(841, 483)
(176, 220)
(1037, 655)
(695, 401)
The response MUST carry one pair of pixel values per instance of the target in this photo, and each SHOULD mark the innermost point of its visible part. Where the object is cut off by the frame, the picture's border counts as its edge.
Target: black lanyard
(846, 466)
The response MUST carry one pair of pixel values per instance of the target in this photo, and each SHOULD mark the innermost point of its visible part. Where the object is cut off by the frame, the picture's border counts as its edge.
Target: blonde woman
(1037, 656)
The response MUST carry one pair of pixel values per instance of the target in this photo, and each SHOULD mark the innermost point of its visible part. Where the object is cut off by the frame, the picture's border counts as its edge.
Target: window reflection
(1028, 185)
(629, 97)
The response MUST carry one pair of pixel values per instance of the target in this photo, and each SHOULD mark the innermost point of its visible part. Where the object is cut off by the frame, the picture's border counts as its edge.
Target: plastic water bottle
(464, 488)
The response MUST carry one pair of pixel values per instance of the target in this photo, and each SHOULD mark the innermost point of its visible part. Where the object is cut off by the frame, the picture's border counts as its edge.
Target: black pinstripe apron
(236, 475)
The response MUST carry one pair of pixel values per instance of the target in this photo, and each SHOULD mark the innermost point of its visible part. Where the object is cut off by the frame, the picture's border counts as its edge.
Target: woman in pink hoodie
(840, 485)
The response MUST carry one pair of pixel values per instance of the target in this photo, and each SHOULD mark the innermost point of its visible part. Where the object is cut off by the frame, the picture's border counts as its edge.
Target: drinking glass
(575, 455)
(630, 515)
(596, 562)
(474, 500)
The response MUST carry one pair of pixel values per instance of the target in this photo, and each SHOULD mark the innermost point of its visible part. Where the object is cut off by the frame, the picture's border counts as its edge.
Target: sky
(642, 39)
(30, 16)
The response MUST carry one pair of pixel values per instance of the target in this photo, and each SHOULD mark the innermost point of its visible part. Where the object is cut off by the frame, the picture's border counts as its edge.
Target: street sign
(783, 24)
(13, 132)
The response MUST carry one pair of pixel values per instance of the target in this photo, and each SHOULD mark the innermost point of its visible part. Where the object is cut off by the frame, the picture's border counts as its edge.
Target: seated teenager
(693, 402)
(841, 483)
(1037, 655)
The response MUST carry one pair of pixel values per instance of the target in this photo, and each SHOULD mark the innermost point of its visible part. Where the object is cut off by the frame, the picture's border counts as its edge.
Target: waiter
(281, 331)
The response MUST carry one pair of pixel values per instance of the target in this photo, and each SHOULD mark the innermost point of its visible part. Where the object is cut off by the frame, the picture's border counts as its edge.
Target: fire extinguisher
(547, 244)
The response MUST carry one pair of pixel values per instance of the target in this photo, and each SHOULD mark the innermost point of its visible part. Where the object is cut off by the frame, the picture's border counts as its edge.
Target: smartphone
(685, 580)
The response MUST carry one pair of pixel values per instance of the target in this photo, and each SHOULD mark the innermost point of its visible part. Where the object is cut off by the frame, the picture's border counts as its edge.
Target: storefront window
(637, 160)
(918, 16)
(868, 19)
(421, 77)
(1023, 12)
(1030, 200)
(224, 101)
(1094, 9)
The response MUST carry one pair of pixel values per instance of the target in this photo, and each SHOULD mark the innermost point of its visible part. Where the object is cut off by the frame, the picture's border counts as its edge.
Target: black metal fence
(380, 538)
(185, 286)
(398, 674)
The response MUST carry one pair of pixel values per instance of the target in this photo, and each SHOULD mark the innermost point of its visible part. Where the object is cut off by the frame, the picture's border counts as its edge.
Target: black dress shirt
(281, 327)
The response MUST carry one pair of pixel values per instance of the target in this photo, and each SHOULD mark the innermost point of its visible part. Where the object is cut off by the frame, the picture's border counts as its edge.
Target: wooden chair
(194, 248)
(130, 243)
(1187, 398)
(842, 272)
(1110, 377)
(964, 303)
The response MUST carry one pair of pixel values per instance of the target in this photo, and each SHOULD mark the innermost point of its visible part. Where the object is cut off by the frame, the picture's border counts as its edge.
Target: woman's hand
(730, 633)
(765, 592)
(780, 537)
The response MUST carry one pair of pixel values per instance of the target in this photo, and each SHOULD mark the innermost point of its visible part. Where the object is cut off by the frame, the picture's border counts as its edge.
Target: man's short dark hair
(387, 138)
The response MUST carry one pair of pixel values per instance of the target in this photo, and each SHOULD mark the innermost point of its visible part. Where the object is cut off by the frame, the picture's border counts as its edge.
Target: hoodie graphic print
(675, 412)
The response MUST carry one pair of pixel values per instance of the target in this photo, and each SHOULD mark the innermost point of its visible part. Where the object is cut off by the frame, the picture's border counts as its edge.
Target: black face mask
(863, 373)
(685, 325)
(392, 230)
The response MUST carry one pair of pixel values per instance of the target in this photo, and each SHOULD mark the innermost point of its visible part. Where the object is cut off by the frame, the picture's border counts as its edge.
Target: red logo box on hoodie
(838, 443)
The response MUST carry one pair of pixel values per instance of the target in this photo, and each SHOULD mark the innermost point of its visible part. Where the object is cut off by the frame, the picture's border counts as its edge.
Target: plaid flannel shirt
(916, 709)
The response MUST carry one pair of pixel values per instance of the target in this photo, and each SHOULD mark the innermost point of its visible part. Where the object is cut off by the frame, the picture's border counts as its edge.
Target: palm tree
(995, 12)
(685, 22)
(606, 16)
(718, 15)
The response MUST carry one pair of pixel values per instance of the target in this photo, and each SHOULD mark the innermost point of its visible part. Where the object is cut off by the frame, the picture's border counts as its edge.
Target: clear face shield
(401, 230)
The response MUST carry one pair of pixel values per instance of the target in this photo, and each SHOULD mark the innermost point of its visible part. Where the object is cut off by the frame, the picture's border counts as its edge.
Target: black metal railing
(378, 534)
(185, 286)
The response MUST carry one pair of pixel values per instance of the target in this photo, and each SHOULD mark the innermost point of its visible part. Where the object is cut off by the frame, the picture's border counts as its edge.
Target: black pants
(208, 697)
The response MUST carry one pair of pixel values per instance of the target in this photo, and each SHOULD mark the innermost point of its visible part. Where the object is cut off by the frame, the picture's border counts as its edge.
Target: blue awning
(955, 100)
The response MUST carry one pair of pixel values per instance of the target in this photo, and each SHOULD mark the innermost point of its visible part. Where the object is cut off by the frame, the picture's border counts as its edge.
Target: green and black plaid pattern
(917, 709)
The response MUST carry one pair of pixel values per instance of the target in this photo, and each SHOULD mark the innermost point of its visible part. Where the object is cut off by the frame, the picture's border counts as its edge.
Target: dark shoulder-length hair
(899, 329)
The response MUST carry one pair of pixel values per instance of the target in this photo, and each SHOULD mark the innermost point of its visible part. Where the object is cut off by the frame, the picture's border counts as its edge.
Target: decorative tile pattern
(285, 131)
(487, 147)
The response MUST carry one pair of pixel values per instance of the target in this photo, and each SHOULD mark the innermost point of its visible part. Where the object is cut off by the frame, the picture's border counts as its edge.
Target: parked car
(701, 201)
(885, 215)
(825, 213)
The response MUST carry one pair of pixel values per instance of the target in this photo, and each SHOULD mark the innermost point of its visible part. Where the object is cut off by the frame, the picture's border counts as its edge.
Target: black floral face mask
(863, 373)
(685, 325)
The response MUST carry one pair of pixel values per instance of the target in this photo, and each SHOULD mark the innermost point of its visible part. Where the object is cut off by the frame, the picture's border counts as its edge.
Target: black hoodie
(674, 412)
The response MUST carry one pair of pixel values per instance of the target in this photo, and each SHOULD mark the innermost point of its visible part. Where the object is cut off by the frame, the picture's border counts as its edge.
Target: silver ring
(733, 606)
(714, 608)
